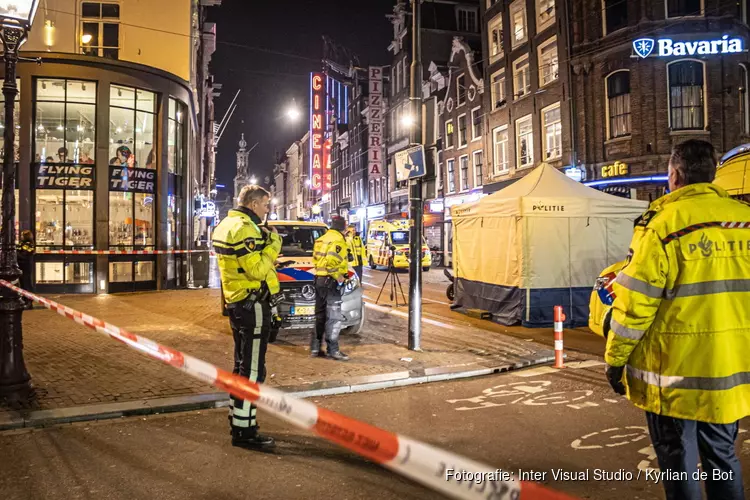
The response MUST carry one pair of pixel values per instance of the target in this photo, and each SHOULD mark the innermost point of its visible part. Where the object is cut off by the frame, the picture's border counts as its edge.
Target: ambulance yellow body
(386, 237)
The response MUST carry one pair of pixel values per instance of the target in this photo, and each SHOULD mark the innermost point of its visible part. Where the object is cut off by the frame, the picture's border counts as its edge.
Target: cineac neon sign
(317, 113)
(666, 47)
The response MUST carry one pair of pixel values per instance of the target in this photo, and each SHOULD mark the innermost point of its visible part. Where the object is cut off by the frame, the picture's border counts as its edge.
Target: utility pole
(416, 204)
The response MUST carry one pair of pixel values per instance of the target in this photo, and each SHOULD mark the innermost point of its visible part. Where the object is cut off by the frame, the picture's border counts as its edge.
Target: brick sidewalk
(71, 365)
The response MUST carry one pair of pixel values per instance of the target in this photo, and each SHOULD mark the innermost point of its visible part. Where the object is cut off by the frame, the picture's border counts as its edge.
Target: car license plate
(303, 311)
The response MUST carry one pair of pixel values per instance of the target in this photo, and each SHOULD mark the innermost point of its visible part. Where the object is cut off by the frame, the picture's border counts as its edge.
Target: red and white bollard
(559, 317)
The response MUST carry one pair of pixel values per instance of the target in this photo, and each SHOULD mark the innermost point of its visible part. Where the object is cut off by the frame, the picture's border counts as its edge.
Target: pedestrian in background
(356, 249)
(25, 251)
(330, 258)
(247, 254)
(680, 328)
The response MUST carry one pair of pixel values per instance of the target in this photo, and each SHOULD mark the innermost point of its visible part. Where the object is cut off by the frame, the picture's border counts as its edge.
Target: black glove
(614, 376)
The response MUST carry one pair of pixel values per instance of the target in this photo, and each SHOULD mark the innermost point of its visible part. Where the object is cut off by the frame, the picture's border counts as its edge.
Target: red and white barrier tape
(435, 468)
(119, 252)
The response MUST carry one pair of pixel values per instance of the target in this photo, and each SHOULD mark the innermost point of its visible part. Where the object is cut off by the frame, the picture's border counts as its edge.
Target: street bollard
(559, 317)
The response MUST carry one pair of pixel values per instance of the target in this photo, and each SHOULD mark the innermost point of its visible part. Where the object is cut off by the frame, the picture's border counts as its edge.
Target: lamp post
(15, 382)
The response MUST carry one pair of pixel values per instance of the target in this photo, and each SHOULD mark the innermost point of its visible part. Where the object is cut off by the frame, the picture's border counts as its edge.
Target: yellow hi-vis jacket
(681, 316)
(357, 248)
(330, 255)
(246, 255)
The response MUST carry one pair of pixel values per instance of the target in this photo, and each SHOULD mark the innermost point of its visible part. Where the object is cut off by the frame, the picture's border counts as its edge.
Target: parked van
(384, 237)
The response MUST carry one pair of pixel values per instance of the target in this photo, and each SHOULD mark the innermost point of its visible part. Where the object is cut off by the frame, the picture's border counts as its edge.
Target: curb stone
(11, 420)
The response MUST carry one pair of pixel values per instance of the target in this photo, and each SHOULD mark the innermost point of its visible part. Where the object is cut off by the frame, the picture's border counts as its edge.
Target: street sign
(410, 163)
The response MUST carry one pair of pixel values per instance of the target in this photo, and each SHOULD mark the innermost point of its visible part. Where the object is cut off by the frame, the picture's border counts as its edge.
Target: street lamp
(407, 121)
(15, 382)
(293, 113)
(253, 180)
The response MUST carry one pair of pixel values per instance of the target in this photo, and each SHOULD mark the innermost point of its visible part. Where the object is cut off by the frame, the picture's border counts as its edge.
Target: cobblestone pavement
(71, 365)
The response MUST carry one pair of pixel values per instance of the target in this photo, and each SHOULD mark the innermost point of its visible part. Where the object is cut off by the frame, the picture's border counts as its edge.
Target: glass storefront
(64, 218)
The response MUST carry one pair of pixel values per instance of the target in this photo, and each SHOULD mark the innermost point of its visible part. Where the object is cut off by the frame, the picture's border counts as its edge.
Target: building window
(525, 142)
(683, 8)
(498, 89)
(477, 158)
(521, 77)
(467, 20)
(462, 139)
(500, 139)
(518, 30)
(132, 125)
(100, 29)
(545, 12)
(176, 143)
(460, 90)
(131, 219)
(548, 62)
(552, 126)
(58, 273)
(449, 134)
(476, 124)
(464, 165)
(64, 218)
(618, 104)
(615, 15)
(744, 101)
(65, 121)
(451, 169)
(496, 37)
(686, 95)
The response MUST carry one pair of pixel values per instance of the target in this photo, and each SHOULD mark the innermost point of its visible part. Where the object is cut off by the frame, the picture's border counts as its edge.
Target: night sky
(270, 81)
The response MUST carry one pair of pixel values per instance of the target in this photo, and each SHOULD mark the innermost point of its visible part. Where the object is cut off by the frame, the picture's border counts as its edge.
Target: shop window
(176, 142)
(519, 33)
(144, 271)
(131, 219)
(174, 224)
(16, 121)
(100, 29)
(460, 90)
(618, 104)
(462, 138)
(451, 171)
(495, 32)
(686, 95)
(120, 272)
(476, 124)
(521, 77)
(65, 122)
(132, 122)
(463, 163)
(545, 14)
(64, 218)
(500, 140)
(498, 89)
(744, 101)
(615, 15)
(552, 126)
(548, 62)
(477, 158)
(59, 273)
(683, 8)
(524, 142)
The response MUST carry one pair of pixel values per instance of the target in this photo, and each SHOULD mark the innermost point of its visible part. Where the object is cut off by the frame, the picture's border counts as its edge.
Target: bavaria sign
(666, 47)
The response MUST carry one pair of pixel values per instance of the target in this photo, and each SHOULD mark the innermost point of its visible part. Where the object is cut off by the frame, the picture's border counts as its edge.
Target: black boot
(338, 356)
(251, 439)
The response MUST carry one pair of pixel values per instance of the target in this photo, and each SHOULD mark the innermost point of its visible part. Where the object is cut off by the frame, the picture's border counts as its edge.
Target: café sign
(666, 47)
(617, 169)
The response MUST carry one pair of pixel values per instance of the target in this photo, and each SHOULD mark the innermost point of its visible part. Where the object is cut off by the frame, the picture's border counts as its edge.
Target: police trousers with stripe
(251, 327)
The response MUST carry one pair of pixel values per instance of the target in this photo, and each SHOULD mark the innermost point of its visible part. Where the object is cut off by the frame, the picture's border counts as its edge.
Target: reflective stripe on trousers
(250, 346)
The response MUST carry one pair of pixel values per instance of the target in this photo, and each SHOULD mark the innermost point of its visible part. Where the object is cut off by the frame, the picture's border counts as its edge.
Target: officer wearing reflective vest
(356, 249)
(331, 261)
(246, 254)
(680, 328)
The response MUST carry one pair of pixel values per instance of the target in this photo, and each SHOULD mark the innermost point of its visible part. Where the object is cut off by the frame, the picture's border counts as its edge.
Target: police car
(297, 279)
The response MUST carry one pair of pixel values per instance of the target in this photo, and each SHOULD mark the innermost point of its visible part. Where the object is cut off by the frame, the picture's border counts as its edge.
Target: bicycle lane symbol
(531, 393)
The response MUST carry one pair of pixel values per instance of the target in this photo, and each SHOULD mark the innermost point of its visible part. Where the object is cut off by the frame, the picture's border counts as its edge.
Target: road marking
(542, 370)
(589, 363)
(611, 400)
(436, 301)
(639, 434)
(405, 315)
(370, 284)
(587, 404)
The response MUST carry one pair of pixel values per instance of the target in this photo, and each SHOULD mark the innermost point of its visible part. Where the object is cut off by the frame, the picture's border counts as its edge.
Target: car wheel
(355, 329)
(450, 292)
(373, 266)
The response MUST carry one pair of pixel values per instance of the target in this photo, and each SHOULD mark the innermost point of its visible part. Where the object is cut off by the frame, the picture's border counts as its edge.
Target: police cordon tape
(446, 472)
(121, 252)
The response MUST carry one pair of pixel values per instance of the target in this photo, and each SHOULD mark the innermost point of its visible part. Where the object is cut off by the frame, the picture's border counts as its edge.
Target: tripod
(392, 279)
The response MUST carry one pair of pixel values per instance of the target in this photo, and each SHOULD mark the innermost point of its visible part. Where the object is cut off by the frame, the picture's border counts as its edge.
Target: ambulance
(733, 172)
(384, 237)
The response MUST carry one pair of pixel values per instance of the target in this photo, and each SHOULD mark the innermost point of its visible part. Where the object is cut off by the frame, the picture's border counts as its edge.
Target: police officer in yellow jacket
(680, 328)
(331, 260)
(246, 254)
(356, 249)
